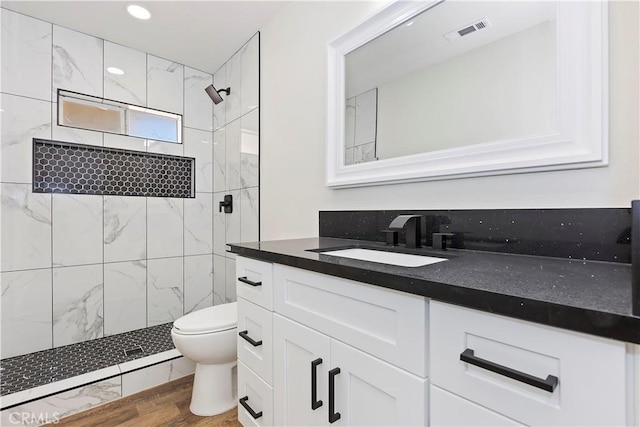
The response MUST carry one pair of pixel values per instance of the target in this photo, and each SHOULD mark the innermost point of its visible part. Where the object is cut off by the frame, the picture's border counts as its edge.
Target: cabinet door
(299, 354)
(371, 392)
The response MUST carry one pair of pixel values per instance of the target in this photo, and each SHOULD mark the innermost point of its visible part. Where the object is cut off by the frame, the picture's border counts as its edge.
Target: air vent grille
(479, 24)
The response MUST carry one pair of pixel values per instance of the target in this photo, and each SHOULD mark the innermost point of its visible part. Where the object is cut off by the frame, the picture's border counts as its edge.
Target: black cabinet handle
(249, 282)
(245, 335)
(333, 415)
(315, 403)
(549, 384)
(243, 402)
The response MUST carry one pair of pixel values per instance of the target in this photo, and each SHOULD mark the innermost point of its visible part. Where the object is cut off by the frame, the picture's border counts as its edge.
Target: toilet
(209, 338)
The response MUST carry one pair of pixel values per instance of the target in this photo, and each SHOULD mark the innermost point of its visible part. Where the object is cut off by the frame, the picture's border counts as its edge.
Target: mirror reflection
(458, 74)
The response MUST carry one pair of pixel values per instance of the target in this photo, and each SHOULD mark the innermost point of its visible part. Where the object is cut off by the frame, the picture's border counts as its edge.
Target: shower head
(214, 93)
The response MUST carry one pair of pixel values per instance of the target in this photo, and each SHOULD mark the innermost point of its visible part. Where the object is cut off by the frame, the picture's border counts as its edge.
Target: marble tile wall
(78, 267)
(235, 166)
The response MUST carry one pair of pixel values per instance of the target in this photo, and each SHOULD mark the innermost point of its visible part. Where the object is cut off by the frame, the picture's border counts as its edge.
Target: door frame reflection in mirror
(581, 139)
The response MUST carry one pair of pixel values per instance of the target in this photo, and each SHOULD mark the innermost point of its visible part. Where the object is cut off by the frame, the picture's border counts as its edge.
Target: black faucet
(413, 224)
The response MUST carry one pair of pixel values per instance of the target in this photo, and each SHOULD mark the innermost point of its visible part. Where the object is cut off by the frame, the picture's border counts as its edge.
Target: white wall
(504, 89)
(293, 80)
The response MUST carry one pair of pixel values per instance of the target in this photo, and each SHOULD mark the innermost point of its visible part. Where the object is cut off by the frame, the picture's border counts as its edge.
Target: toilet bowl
(208, 337)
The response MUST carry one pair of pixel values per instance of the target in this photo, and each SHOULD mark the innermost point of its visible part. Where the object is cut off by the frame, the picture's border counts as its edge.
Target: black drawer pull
(333, 415)
(549, 384)
(249, 282)
(245, 335)
(315, 403)
(243, 402)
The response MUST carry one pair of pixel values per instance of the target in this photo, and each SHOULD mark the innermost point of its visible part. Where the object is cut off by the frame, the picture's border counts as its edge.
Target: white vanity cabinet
(339, 352)
(524, 372)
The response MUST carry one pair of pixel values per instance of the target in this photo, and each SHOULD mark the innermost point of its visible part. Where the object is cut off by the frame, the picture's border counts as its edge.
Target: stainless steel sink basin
(384, 257)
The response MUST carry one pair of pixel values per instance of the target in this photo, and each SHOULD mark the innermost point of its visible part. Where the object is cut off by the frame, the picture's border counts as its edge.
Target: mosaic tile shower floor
(43, 367)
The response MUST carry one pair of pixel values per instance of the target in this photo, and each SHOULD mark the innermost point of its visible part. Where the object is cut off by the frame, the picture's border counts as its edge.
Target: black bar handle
(245, 335)
(333, 415)
(243, 402)
(249, 282)
(315, 403)
(549, 384)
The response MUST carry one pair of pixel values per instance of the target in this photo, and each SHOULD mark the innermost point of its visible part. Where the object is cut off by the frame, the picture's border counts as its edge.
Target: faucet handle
(440, 240)
(391, 237)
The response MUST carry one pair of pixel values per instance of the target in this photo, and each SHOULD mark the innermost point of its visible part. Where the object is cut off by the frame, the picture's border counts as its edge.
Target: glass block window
(61, 167)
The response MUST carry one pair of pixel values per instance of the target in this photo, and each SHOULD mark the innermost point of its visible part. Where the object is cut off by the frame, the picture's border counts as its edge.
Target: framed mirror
(453, 89)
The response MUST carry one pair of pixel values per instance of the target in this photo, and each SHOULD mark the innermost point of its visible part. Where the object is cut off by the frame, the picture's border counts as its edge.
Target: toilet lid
(210, 319)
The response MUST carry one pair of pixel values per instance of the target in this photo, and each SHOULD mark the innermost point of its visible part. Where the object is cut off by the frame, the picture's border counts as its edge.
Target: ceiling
(200, 34)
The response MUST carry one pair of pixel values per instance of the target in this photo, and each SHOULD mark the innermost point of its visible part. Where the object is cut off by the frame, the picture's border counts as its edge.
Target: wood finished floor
(165, 405)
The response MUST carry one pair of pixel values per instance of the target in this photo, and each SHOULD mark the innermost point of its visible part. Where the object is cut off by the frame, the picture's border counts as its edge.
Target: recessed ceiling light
(138, 12)
(115, 70)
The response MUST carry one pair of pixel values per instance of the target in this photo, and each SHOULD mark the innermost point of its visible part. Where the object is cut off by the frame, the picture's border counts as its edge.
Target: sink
(384, 257)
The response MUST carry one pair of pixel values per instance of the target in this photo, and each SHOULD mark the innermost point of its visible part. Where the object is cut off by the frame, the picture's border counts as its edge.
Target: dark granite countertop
(586, 296)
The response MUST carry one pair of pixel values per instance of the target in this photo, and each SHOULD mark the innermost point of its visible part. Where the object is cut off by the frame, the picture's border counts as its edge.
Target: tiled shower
(76, 267)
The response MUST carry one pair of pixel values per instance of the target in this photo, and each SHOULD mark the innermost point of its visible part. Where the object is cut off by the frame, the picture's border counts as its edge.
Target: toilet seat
(207, 320)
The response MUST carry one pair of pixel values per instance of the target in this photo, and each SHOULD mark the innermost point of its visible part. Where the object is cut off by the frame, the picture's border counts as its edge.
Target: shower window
(89, 112)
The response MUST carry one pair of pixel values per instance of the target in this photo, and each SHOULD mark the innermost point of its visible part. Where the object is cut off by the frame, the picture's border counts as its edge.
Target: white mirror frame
(582, 98)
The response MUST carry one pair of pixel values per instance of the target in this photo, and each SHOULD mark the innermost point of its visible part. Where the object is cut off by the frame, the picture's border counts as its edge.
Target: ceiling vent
(478, 25)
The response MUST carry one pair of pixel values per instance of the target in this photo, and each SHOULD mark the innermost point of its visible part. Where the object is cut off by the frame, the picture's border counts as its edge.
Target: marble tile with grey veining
(26, 56)
(123, 142)
(165, 290)
(198, 282)
(249, 149)
(233, 221)
(249, 75)
(219, 279)
(219, 110)
(198, 224)
(130, 86)
(53, 408)
(232, 155)
(219, 225)
(70, 134)
(77, 229)
(249, 214)
(233, 77)
(25, 312)
(22, 120)
(198, 107)
(77, 304)
(219, 160)
(125, 296)
(125, 228)
(165, 227)
(348, 156)
(230, 289)
(162, 147)
(25, 224)
(77, 62)
(198, 144)
(165, 85)
(143, 379)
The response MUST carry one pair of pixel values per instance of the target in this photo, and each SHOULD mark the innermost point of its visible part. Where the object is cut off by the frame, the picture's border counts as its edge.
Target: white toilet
(209, 338)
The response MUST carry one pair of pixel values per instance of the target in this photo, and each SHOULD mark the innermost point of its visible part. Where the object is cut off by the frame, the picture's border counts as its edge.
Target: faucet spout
(413, 225)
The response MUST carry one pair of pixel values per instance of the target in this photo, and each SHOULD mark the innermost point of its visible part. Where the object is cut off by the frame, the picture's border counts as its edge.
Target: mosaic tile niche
(60, 167)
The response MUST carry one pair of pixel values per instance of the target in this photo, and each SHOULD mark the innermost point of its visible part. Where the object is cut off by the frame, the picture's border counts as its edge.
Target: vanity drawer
(388, 324)
(447, 409)
(254, 395)
(255, 339)
(590, 371)
(254, 281)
